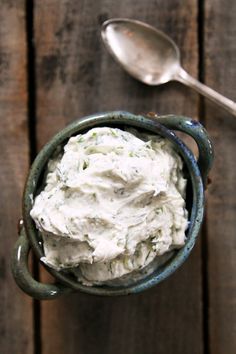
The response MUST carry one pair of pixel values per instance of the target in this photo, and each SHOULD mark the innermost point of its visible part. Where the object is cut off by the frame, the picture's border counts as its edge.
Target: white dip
(112, 202)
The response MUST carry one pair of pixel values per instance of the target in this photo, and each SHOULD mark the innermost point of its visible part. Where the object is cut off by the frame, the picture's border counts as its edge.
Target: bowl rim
(113, 119)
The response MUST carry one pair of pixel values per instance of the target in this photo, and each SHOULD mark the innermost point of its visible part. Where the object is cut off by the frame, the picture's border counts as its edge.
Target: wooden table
(53, 69)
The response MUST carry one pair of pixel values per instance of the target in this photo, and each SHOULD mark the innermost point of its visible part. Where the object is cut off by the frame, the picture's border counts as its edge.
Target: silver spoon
(152, 57)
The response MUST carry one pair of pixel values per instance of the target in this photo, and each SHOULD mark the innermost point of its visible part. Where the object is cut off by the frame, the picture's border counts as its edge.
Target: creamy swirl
(112, 202)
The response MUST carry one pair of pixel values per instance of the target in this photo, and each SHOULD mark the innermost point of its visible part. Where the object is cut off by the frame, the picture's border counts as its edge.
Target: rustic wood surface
(71, 75)
(220, 73)
(16, 311)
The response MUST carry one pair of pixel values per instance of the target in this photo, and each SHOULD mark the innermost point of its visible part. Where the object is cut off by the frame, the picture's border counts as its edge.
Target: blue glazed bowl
(196, 172)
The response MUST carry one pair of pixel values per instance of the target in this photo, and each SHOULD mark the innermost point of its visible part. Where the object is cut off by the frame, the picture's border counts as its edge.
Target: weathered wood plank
(75, 77)
(220, 63)
(16, 333)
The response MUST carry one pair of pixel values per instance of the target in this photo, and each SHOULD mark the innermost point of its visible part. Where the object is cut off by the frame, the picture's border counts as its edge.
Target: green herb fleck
(119, 191)
(159, 210)
(113, 133)
(85, 165)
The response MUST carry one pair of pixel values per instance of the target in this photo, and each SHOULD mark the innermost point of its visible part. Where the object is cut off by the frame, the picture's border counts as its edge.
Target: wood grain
(75, 77)
(220, 63)
(16, 329)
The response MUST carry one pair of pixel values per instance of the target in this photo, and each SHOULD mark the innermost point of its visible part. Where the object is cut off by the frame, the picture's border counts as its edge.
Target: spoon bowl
(151, 57)
(146, 53)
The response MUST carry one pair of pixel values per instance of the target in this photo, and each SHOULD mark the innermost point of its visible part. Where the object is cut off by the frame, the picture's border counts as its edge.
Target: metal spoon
(152, 57)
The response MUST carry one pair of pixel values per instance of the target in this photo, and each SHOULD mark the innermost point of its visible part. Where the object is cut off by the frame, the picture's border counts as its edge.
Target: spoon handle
(183, 77)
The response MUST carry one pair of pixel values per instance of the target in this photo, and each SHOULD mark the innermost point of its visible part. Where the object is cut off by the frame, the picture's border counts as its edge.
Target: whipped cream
(113, 201)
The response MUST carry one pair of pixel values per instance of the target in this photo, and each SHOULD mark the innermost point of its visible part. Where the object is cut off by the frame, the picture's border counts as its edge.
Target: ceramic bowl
(196, 172)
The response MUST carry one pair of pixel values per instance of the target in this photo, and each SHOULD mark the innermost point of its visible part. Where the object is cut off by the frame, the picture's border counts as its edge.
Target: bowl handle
(199, 134)
(24, 278)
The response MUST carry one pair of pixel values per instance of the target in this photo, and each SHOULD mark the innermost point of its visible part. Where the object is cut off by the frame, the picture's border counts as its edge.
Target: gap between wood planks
(31, 83)
(204, 242)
